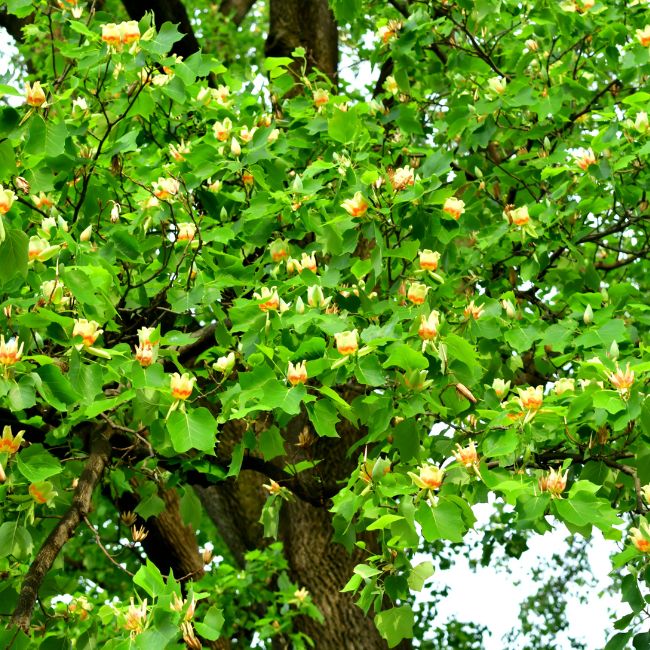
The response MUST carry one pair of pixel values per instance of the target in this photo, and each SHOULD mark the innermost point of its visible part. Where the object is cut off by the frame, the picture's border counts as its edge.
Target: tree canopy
(271, 329)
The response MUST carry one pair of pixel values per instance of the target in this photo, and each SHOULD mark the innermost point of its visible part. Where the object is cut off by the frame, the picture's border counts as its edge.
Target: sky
(492, 598)
(485, 595)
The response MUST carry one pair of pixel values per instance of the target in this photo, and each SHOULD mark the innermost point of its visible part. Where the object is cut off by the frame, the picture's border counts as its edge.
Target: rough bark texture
(315, 560)
(170, 543)
(305, 23)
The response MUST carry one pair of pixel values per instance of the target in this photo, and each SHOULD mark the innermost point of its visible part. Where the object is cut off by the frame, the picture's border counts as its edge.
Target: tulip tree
(308, 323)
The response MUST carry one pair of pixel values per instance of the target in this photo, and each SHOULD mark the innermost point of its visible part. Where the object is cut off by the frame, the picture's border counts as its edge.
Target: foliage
(476, 235)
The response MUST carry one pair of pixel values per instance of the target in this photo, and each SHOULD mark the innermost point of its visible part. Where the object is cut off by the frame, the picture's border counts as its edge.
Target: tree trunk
(309, 24)
(315, 561)
(172, 11)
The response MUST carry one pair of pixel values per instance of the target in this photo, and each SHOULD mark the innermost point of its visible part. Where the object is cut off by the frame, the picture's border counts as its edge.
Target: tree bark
(315, 561)
(100, 453)
(237, 9)
(305, 23)
(172, 11)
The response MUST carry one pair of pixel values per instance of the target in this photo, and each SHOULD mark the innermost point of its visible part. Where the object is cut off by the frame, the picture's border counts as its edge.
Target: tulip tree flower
(640, 537)
(297, 374)
(554, 483)
(356, 206)
(35, 95)
(531, 399)
(500, 387)
(454, 207)
(429, 477)
(622, 380)
(429, 259)
(417, 293)
(643, 36)
(181, 385)
(10, 444)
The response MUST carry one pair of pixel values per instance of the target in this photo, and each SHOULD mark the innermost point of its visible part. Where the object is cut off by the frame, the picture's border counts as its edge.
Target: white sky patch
(492, 597)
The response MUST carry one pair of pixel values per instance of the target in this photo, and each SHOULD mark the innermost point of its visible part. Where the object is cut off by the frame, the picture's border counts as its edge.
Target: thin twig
(103, 548)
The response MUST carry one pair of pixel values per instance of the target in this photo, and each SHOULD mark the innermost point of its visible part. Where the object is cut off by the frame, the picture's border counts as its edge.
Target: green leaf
(22, 395)
(13, 255)
(194, 429)
(55, 136)
(395, 624)
(442, 521)
(632, 594)
(166, 37)
(36, 463)
(461, 355)
(343, 126)
(419, 574)
(271, 443)
(405, 357)
(54, 386)
(324, 417)
(212, 623)
(150, 579)
(584, 509)
(191, 508)
(150, 504)
(20, 8)
(366, 571)
(384, 522)
(500, 442)
(15, 540)
(369, 371)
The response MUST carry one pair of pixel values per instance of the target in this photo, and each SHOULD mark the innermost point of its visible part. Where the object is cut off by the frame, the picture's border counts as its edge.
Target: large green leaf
(36, 463)
(192, 429)
(395, 624)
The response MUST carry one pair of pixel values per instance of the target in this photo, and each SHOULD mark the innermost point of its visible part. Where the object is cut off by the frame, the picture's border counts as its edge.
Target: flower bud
(86, 234)
(500, 387)
(225, 364)
(588, 315)
(509, 308)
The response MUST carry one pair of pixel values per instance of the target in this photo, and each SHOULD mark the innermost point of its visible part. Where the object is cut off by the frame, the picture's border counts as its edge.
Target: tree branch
(238, 9)
(100, 453)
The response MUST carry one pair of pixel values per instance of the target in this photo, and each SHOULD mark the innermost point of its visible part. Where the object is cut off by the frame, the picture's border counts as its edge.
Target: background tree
(313, 325)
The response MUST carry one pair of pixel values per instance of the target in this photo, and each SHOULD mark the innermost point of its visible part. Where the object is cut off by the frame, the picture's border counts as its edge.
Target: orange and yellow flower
(347, 342)
(10, 351)
(622, 380)
(641, 537)
(88, 330)
(429, 259)
(531, 398)
(181, 385)
(430, 477)
(356, 206)
(417, 293)
(454, 207)
(7, 198)
(429, 325)
(10, 444)
(297, 374)
(554, 482)
(643, 36)
(467, 456)
(34, 95)
(269, 297)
